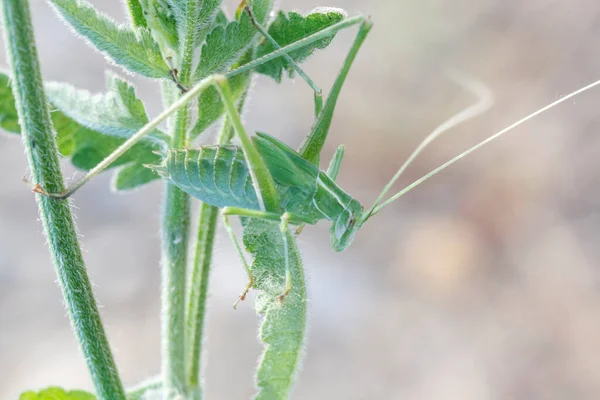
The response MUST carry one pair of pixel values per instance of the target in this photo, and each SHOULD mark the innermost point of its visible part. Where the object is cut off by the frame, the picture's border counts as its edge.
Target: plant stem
(188, 39)
(196, 315)
(175, 233)
(198, 288)
(175, 237)
(42, 155)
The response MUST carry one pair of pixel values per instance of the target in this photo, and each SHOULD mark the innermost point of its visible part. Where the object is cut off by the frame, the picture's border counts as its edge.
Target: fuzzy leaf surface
(291, 27)
(136, 13)
(9, 120)
(284, 325)
(221, 18)
(226, 44)
(87, 147)
(56, 393)
(118, 112)
(207, 15)
(210, 106)
(135, 51)
(163, 20)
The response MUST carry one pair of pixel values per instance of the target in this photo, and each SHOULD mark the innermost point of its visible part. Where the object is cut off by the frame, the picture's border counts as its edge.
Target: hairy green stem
(42, 154)
(175, 233)
(207, 224)
(188, 40)
(198, 288)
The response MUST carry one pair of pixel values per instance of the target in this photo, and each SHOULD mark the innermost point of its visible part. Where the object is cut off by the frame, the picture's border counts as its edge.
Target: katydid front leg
(332, 172)
(336, 162)
(313, 144)
(285, 219)
(238, 249)
(284, 226)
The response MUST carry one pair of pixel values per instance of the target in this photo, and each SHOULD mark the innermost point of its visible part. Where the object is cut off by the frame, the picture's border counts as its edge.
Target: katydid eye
(351, 220)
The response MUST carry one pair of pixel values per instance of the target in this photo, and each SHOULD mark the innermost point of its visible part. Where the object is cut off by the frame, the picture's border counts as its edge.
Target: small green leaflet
(291, 27)
(56, 393)
(9, 119)
(177, 7)
(207, 18)
(210, 106)
(87, 147)
(117, 113)
(162, 22)
(226, 44)
(284, 324)
(137, 52)
(221, 18)
(136, 13)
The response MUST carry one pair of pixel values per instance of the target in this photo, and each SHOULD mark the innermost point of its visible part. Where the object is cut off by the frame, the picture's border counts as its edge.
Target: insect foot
(37, 188)
(243, 295)
(282, 296)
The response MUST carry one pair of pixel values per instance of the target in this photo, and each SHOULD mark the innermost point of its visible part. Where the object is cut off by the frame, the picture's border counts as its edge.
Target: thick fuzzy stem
(42, 154)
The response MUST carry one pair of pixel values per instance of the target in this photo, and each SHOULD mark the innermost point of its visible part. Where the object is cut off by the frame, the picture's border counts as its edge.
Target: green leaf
(291, 27)
(87, 147)
(9, 120)
(178, 18)
(284, 325)
(117, 113)
(136, 13)
(56, 393)
(226, 44)
(91, 147)
(221, 18)
(207, 18)
(210, 106)
(162, 19)
(137, 52)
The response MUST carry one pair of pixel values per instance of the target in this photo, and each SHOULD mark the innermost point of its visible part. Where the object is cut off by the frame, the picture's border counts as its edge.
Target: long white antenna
(485, 100)
(484, 142)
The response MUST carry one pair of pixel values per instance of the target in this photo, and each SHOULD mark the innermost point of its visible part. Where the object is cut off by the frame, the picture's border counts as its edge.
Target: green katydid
(262, 194)
(264, 178)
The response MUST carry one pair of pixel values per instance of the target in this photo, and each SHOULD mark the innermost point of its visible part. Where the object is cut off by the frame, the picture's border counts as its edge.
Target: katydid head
(346, 225)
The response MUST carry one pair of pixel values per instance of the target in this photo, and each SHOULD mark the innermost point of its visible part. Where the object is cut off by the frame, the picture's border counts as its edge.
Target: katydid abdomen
(217, 175)
(220, 176)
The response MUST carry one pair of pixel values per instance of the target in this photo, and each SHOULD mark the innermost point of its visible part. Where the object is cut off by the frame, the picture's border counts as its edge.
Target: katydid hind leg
(262, 180)
(189, 95)
(314, 142)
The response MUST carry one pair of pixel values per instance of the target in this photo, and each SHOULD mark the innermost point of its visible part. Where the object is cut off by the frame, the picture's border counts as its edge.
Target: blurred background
(480, 284)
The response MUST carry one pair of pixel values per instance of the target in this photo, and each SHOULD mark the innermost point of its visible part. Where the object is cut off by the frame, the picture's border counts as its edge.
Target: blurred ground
(480, 284)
